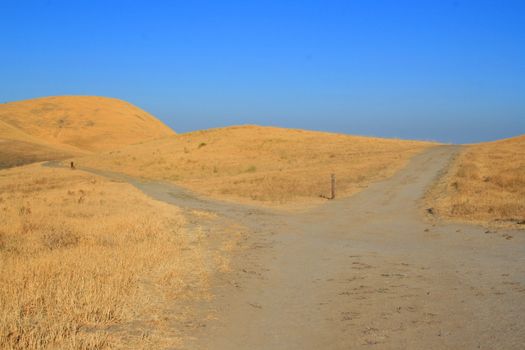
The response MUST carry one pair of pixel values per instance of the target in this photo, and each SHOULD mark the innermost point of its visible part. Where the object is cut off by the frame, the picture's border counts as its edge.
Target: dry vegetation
(79, 123)
(18, 148)
(485, 184)
(16, 153)
(87, 263)
(262, 164)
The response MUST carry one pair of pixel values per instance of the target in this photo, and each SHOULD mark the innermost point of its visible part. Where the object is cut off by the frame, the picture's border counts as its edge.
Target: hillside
(262, 164)
(18, 148)
(17, 152)
(79, 123)
(485, 184)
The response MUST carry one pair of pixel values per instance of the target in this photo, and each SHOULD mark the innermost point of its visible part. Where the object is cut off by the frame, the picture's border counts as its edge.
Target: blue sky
(452, 71)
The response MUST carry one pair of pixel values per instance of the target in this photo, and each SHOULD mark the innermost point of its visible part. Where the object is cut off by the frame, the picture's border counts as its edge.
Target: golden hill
(81, 123)
(485, 184)
(262, 164)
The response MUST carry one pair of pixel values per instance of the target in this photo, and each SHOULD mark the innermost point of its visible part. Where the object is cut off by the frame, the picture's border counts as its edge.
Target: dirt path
(368, 271)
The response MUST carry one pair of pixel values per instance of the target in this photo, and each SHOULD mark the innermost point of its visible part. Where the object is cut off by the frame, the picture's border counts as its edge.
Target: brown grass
(87, 263)
(485, 184)
(262, 164)
(16, 153)
(79, 123)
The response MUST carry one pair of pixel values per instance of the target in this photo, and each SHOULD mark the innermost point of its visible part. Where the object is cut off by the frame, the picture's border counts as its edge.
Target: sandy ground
(370, 271)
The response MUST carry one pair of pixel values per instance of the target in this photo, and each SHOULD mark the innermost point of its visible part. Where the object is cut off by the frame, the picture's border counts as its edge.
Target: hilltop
(88, 123)
(62, 126)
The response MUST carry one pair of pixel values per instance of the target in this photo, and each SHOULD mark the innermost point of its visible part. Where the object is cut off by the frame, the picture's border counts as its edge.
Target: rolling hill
(262, 164)
(57, 127)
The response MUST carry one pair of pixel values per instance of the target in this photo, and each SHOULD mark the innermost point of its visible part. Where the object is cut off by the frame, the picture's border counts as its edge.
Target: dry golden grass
(16, 153)
(18, 148)
(485, 184)
(262, 164)
(8, 131)
(88, 263)
(79, 123)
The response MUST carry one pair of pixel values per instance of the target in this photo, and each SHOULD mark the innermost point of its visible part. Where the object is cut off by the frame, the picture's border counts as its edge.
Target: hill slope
(83, 123)
(485, 184)
(262, 164)
(18, 148)
(17, 152)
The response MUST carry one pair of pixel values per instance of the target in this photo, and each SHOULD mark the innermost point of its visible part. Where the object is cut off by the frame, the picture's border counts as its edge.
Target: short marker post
(332, 191)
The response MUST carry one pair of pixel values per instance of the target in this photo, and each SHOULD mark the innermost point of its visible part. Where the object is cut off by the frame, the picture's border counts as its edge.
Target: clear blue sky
(445, 70)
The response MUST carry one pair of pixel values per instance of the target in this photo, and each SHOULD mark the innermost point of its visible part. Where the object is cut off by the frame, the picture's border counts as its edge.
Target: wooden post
(332, 191)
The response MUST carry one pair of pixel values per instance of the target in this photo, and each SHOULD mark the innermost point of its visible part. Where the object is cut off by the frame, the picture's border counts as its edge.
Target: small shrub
(24, 211)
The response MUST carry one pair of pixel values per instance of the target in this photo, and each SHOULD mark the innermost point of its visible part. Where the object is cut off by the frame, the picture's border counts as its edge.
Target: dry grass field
(89, 263)
(266, 165)
(485, 184)
(79, 123)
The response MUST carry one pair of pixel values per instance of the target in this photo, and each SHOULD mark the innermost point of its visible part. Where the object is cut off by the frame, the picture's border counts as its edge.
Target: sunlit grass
(81, 256)
(485, 184)
(260, 164)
